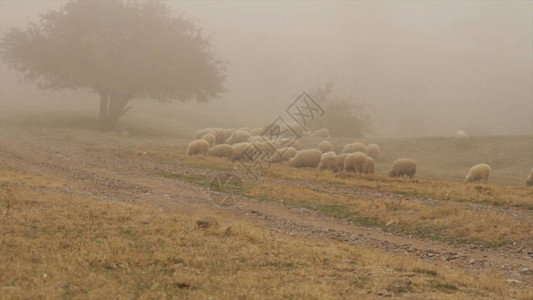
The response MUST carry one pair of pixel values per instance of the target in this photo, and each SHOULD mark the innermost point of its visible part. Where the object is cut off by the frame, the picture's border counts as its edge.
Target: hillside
(511, 157)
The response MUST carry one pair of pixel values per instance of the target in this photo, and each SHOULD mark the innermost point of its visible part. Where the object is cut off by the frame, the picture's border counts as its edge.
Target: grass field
(55, 245)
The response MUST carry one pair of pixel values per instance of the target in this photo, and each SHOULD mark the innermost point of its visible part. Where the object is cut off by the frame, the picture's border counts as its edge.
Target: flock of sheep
(355, 157)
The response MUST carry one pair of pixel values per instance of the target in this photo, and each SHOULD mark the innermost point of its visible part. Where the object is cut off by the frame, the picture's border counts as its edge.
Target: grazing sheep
(198, 147)
(238, 151)
(340, 161)
(283, 154)
(460, 138)
(289, 142)
(306, 158)
(403, 166)
(355, 162)
(529, 179)
(288, 153)
(478, 172)
(222, 150)
(238, 136)
(328, 161)
(325, 146)
(262, 146)
(210, 138)
(369, 165)
(220, 135)
(373, 151)
(272, 146)
(228, 132)
(200, 133)
(297, 145)
(354, 147)
(322, 132)
(255, 138)
(256, 131)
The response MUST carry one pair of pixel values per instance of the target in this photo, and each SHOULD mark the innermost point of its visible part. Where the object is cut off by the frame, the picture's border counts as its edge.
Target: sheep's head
(370, 168)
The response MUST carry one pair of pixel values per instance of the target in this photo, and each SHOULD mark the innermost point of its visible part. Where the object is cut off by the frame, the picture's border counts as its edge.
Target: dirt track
(96, 166)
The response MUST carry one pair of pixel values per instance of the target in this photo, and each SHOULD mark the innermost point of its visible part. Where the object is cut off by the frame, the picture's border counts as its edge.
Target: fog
(419, 68)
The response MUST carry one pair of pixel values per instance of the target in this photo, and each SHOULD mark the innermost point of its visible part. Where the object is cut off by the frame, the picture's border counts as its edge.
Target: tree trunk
(112, 107)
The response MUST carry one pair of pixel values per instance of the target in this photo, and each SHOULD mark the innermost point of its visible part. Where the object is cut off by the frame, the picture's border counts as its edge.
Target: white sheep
(460, 138)
(306, 158)
(369, 165)
(373, 151)
(478, 172)
(256, 131)
(325, 146)
(340, 161)
(220, 135)
(255, 138)
(271, 146)
(210, 138)
(238, 151)
(322, 132)
(328, 161)
(228, 132)
(222, 150)
(261, 146)
(355, 162)
(297, 145)
(529, 179)
(198, 147)
(354, 147)
(296, 129)
(203, 132)
(238, 136)
(403, 166)
(288, 153)
(283, 154)
(289, 142)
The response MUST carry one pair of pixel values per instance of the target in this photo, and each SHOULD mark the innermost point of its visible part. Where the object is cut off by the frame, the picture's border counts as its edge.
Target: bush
(343, 116)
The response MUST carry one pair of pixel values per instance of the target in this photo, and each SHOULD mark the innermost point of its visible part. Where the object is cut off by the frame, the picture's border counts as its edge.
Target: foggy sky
(419, 67)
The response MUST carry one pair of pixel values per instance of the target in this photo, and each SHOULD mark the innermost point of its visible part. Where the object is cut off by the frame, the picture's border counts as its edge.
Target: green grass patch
(191, 179)
(442, 286)
(209, 166)
(436, 233)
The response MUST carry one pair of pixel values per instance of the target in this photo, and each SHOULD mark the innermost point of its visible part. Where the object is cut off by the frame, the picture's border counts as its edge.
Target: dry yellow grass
(493, 193)
(447, 221)
(55, 245)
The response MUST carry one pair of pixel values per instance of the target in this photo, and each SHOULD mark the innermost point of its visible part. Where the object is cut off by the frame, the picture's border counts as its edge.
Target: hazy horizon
(418, 68)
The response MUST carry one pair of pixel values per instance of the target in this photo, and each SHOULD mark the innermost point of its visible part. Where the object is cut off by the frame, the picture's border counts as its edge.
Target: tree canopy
(119, 49)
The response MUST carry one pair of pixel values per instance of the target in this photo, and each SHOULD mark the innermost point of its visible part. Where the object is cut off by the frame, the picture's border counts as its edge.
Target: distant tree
(343, 116)
(119, 49)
